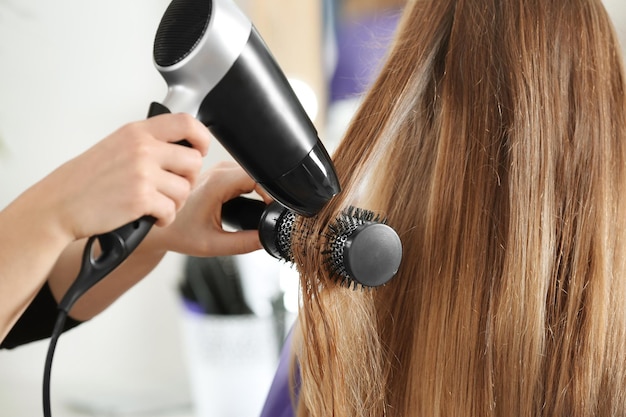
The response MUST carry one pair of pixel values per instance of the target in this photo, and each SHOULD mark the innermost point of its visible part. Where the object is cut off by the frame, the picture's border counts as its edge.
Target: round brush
(360, 249)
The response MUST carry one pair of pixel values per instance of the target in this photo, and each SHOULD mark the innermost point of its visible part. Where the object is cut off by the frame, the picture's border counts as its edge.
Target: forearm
(104, 293)
(197, 231)
(30, 245)
(153, 176)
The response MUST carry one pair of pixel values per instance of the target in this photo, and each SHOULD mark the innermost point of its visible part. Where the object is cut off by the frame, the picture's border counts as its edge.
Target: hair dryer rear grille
(180, 30)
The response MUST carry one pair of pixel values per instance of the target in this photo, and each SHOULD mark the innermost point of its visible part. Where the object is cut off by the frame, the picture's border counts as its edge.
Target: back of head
(494, 142)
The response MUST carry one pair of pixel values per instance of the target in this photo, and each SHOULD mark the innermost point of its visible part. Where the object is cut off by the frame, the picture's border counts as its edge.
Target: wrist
(154, 244)
(30, 217)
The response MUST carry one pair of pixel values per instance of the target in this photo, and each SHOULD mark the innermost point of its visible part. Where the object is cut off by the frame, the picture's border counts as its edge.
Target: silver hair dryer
(219, 70)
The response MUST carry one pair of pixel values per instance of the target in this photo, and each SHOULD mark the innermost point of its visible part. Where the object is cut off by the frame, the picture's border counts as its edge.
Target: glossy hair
(493, 141)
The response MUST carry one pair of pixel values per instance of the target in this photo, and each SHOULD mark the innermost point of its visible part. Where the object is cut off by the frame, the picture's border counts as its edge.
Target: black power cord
(58, 329)
(115, 247)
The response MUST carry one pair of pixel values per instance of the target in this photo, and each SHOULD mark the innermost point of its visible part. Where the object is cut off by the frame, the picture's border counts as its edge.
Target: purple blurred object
(279, 402)
(361, 46)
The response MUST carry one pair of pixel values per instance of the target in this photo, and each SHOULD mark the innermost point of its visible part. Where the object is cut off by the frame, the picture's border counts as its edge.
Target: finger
(267, 199)
(174, 187)
(163, 209)
(226, 164)
(239, 182)
(235, 243)
(225, 181)
(181, 161)
(180, 126)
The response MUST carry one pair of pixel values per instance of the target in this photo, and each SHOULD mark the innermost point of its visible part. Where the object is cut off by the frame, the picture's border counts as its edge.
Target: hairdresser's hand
(135, 171)
(197, 230)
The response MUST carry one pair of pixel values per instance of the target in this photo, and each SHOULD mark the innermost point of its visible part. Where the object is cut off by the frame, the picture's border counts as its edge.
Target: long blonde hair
(494, 142)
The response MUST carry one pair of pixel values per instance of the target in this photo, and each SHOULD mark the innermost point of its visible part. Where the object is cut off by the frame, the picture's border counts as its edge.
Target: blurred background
(71, 72)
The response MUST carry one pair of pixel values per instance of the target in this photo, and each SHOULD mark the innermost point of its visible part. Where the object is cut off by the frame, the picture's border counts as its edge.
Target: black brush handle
(242, 213)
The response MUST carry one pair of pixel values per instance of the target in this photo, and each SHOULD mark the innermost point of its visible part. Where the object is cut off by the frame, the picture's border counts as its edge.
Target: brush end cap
(373, 254)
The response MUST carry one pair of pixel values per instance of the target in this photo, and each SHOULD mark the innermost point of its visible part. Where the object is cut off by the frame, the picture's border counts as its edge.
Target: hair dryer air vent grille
(180, 30)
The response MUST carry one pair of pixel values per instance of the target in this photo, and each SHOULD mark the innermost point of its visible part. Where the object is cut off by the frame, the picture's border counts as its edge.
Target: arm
(151, 176)
(197, 231)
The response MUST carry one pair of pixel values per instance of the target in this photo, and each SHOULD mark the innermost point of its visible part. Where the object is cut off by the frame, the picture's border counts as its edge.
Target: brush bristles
(285, 234)
(333, 242)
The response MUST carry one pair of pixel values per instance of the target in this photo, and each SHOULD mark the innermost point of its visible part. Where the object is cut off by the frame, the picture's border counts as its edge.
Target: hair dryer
(219, 70)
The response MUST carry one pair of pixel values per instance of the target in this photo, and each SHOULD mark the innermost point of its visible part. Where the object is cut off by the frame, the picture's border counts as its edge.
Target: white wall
(617, 11)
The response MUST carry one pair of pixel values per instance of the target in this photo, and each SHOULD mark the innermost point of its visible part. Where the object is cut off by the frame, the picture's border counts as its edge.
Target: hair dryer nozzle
(309, 186)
